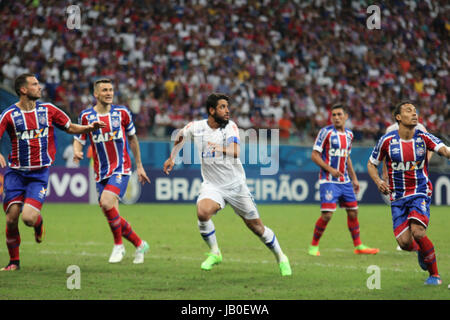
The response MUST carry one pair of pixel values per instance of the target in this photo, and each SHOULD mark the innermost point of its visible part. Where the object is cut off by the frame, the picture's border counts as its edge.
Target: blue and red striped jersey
(32, 134)
(111, 151)
(335, 148)
(407, 162)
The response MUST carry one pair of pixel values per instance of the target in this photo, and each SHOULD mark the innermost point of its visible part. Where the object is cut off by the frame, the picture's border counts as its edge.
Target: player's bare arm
(82, 129)
(352, 175)
(170, 162)
(233, 149)
(134, 145)
(77, 151)
(382, 186)
(316, 157)
(2, 161)
(444, 151)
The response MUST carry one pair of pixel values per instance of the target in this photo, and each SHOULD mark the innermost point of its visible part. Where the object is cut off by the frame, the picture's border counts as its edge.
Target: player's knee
(106, 203)
(204, 214)
(326, 215)
(28, 219)
(404, 244)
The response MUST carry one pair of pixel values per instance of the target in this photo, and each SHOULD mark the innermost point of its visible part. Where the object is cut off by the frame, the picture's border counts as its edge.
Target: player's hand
(93, 126)
(77, 156)
(383, 187)
(355, 184)
(142, 175)
(2, 161)
(336, 173)
(168, 166)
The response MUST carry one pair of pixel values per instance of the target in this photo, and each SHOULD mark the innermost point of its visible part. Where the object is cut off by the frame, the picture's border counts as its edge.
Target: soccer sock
(115, 224)
(129, 234)
(353, 227)
(319, 229)
(429, 256)
(270, 240)
(13, 243)
(208, 233)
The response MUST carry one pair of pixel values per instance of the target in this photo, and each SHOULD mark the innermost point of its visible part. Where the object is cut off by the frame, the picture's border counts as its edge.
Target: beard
(33, 97)
(221, 121)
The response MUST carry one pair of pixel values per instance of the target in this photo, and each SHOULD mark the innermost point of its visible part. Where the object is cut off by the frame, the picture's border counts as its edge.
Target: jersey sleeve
(432, 142)
(82, 138)
(59, 118)
(4, 119)
(320, 142)
(127, 122)
(379, 152)
(232, 134)
(188, 130)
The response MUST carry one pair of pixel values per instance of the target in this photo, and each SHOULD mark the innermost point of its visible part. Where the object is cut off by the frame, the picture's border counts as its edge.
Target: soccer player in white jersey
(217, 139)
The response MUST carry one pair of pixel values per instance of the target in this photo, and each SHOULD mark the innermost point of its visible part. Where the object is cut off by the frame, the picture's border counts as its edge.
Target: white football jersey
(217, 168)
(394, 126)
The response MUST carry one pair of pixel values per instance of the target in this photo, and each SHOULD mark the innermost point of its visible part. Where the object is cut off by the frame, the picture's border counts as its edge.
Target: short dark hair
(21, 81)
(213, 99)
(339, 106)
(398, 108)
(102, 80)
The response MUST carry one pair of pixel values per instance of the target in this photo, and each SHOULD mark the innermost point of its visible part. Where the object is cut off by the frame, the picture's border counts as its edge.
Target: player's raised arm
(82, 129)
(179, 142)
(134, 145)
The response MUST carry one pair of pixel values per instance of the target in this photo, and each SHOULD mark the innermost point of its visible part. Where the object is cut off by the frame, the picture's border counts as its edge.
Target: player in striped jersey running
(337, 179)
(112, 164)
(410, 189)
(30, 126)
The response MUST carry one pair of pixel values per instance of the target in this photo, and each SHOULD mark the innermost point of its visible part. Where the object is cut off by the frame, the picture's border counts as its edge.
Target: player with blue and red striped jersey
(112, 163)
(30, 126)
(410, 189)
(337, 179)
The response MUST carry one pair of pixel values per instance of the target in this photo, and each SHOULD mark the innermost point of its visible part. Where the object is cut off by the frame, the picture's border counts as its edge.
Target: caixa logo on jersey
(68, 185)
(338, 152)
(32, 134)
(107, 136)
(408, 165)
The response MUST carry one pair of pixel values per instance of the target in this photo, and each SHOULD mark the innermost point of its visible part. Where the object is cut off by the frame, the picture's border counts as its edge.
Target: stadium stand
(283, 62)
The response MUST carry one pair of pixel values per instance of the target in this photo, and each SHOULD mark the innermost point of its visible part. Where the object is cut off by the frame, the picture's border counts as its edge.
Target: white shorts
(239, 198)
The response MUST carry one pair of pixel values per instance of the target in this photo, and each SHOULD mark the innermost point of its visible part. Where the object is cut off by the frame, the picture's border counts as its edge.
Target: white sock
(270, 240)
(208, 233)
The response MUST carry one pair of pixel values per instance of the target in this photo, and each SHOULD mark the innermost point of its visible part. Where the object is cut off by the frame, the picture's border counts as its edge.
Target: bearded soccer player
(30, 125)
(112, 164)
(410, 189)
(337, 179)
(217, 139)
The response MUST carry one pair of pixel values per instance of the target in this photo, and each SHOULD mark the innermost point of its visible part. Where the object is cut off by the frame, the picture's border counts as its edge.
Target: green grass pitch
(79, 235)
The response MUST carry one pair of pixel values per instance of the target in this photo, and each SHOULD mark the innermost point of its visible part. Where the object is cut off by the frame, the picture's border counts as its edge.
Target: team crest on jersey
(420, 151)
(394, 141)
(92, 117)
(42, 119)
(115, 122)
(329, 195)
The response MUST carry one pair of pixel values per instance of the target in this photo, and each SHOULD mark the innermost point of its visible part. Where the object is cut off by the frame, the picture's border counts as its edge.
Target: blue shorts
(22, 187)
(413, 207)
(331, 193)
(117, 184)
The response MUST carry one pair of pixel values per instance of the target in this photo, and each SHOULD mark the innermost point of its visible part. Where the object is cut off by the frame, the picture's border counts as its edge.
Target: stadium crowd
(284, 63)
